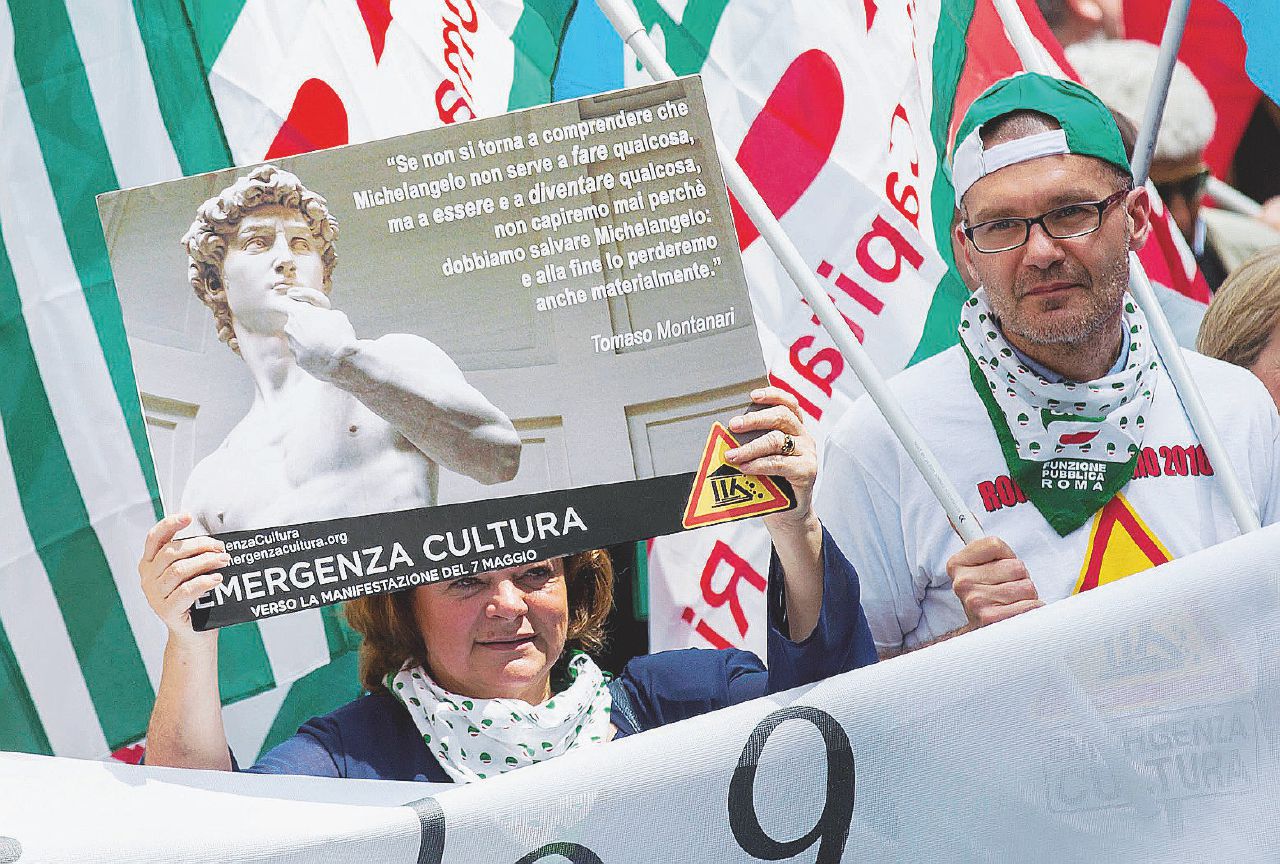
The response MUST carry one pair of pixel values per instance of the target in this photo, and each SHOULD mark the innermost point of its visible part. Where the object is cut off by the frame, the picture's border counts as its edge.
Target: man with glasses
(1054, 415)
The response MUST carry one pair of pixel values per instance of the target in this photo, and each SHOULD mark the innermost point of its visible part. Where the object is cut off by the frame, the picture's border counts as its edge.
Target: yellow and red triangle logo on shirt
(1120, 544)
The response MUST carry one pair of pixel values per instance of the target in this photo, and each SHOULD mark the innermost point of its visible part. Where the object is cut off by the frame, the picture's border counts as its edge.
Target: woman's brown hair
(391, 636)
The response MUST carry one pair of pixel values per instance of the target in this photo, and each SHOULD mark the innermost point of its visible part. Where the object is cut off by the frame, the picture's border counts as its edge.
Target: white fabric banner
(1137, 722)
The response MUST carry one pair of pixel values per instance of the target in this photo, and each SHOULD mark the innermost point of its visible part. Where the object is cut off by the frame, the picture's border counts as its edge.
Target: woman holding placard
(482, 674)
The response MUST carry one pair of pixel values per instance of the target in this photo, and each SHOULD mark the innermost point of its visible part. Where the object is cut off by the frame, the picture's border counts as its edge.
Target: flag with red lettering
(839, 113)
(286, 79)
(842, 115)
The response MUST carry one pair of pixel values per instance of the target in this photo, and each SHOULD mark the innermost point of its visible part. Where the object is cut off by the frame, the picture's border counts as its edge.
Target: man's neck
(1088, 360)
(270, 362)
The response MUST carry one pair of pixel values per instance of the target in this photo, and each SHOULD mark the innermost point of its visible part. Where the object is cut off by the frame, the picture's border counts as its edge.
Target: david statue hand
(320, 336)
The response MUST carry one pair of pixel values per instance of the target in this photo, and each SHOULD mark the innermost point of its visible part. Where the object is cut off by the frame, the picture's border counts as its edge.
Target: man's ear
(1087, 10)
(962, 249)
(1138, 208)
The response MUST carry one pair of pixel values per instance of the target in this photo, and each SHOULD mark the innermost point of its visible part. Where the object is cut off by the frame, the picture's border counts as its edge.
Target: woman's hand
(787, 450)
(771, 453)
(186, 722)
(176, 572)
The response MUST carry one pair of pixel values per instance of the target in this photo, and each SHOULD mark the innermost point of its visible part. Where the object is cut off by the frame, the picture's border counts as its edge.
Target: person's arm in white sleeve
(865, 519)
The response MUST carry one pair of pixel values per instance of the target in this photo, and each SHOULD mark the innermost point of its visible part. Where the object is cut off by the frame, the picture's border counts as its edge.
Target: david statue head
(262, 242)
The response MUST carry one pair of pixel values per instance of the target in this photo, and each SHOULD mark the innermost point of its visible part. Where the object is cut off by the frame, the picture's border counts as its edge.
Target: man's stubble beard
(1105, 298)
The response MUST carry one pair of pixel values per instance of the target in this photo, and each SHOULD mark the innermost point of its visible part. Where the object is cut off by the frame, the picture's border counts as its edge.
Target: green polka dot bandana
(1070, 445)
(473, 739)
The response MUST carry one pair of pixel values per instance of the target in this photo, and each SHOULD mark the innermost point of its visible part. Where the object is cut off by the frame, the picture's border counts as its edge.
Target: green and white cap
(1088, 128)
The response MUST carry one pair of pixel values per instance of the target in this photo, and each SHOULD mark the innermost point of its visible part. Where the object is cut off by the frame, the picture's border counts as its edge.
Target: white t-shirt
(883, 516)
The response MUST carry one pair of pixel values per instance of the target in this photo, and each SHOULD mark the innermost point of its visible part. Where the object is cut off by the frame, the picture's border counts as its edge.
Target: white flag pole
(1033, 58)
(623, 17)
(1174, 26)
(1231, 198)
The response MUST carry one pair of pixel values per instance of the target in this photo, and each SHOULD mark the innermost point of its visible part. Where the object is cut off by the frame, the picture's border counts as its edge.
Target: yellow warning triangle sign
(722, 493)
(1120, 544)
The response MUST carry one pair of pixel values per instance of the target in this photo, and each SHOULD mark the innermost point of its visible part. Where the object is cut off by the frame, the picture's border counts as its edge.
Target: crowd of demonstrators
(482, 674)
(1045, 411)
(1054, 413)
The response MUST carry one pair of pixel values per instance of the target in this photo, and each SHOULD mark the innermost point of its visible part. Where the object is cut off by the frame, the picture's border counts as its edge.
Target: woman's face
(496, 634)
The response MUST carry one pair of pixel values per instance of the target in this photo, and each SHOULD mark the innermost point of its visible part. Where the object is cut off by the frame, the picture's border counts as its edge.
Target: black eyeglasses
(1062, 223)
(1190, 189)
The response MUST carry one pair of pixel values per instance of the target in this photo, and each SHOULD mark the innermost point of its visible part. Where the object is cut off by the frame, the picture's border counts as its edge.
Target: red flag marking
(1170, 261)
(1214, 48)
(317, 120)
(801, 119)
(989, 56)
(377, 18)
(1077, 437)
(131, 755)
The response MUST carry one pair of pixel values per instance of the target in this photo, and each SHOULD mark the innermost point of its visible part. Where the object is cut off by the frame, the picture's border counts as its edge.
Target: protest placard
(537, 322)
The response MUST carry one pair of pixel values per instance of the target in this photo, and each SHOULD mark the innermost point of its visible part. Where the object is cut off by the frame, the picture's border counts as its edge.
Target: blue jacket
(374, 738)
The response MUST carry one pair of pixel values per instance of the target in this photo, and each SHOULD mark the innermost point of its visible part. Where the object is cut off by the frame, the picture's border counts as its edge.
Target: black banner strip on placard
(280, 570)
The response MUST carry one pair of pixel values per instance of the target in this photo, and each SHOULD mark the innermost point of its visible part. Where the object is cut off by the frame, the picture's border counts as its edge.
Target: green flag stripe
(325, 689)
(65, 541)
(536, 38)
(186, 105)
(640, 585)
(79, 167)
(688, 42)
(948, 63)
(244, 669)
(79, 164)
(339, 635)
(211, 25)
(190, 117)
(20, 727)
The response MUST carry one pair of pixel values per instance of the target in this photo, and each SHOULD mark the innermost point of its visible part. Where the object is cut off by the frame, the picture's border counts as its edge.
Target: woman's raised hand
(176, 572)
(786, 449)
